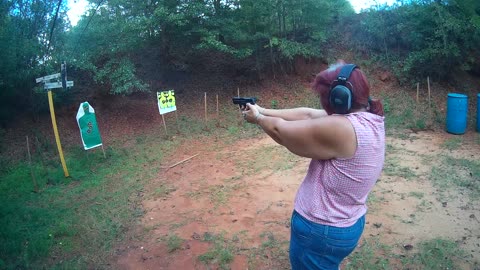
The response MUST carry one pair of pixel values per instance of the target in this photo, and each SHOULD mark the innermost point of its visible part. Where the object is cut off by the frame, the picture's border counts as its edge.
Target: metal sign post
(60, 83)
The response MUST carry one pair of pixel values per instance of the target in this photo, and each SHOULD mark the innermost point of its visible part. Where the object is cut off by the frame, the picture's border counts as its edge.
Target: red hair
(360, 91)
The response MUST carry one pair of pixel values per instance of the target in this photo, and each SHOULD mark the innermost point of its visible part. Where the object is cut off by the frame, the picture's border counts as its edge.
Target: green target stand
(87, 123)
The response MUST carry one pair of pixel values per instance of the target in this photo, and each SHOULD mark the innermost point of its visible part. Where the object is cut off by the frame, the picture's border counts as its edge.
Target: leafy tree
(118, 41)
(25, 31)
(103, 42)
(421, 38)
(184, 35)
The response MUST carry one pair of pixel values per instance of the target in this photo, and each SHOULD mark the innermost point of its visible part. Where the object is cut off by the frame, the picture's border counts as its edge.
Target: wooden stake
(205, 106)
(180, 162)
(418, 90)
(176, 120)
(238, 95)
(42, 154)
(105, 156)
(428, 83)
(39, 145)
(164, 124)
(35, 186)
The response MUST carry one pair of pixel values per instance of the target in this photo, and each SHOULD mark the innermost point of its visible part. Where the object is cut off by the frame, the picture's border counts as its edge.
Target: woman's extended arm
(320, 138)
(294, 114)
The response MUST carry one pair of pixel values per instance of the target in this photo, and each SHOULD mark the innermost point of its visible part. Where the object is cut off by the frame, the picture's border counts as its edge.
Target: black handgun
(242, 101)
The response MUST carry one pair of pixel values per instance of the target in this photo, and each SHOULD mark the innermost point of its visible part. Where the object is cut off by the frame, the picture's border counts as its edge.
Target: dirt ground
(244, 192)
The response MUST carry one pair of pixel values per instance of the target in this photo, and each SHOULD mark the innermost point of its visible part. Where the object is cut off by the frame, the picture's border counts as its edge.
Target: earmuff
(341, 95)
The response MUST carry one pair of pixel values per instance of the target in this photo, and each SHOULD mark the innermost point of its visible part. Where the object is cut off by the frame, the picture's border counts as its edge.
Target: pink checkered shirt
(334, 192)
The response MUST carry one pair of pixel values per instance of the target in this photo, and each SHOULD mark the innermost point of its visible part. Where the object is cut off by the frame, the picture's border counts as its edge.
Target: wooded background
(125, 46)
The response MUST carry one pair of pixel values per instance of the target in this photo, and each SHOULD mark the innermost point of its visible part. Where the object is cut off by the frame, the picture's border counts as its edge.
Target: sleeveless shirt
(334, 192)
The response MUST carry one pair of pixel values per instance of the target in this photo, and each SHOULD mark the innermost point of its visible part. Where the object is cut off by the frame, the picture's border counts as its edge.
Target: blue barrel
(478, 112)
(457, 107)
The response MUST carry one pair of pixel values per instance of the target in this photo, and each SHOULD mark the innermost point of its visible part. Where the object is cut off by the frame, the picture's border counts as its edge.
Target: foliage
(185, 35)
(24, 39)
(421, 38)
(124, 46)
(103, 44)
(121, 75)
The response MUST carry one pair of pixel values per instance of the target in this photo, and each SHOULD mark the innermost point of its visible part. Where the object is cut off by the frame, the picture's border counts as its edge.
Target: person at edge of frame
(347, 152)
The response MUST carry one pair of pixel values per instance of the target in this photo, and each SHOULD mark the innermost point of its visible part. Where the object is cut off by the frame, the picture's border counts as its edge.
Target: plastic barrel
(457, 107)
(478, 112)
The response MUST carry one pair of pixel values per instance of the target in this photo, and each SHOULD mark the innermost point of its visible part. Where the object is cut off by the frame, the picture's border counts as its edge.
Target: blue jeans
(316, 246)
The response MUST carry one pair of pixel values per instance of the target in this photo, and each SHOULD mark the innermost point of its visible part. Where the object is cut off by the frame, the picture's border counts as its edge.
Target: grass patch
(392, 168)
(402, 111)
(221, 254)
(174, 242)
(188, 126)
(424, 206)
(436, 254)
(219, 194)
(163, 191)
(391, 148)
(273, 248)
(432, 254)
(272, 157)
(194, 194)
(175, 226)
(452, 143)
(272, 243)
(416, 194)
(369, 255)
(374, 201)
(453, 172)
(72, 223)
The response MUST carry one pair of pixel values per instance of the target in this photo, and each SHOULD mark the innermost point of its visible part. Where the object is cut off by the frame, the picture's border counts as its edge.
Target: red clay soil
(236, 193)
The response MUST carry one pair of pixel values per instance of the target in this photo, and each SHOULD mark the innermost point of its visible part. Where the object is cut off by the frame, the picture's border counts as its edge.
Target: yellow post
(55, 131)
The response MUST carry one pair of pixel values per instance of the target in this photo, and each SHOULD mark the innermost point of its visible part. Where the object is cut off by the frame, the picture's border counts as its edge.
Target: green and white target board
(87, 122)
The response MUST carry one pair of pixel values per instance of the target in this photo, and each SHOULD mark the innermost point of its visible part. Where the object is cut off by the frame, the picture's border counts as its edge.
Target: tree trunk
(217, 6)
(284, 23)
(272, 61)
(279, 18)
